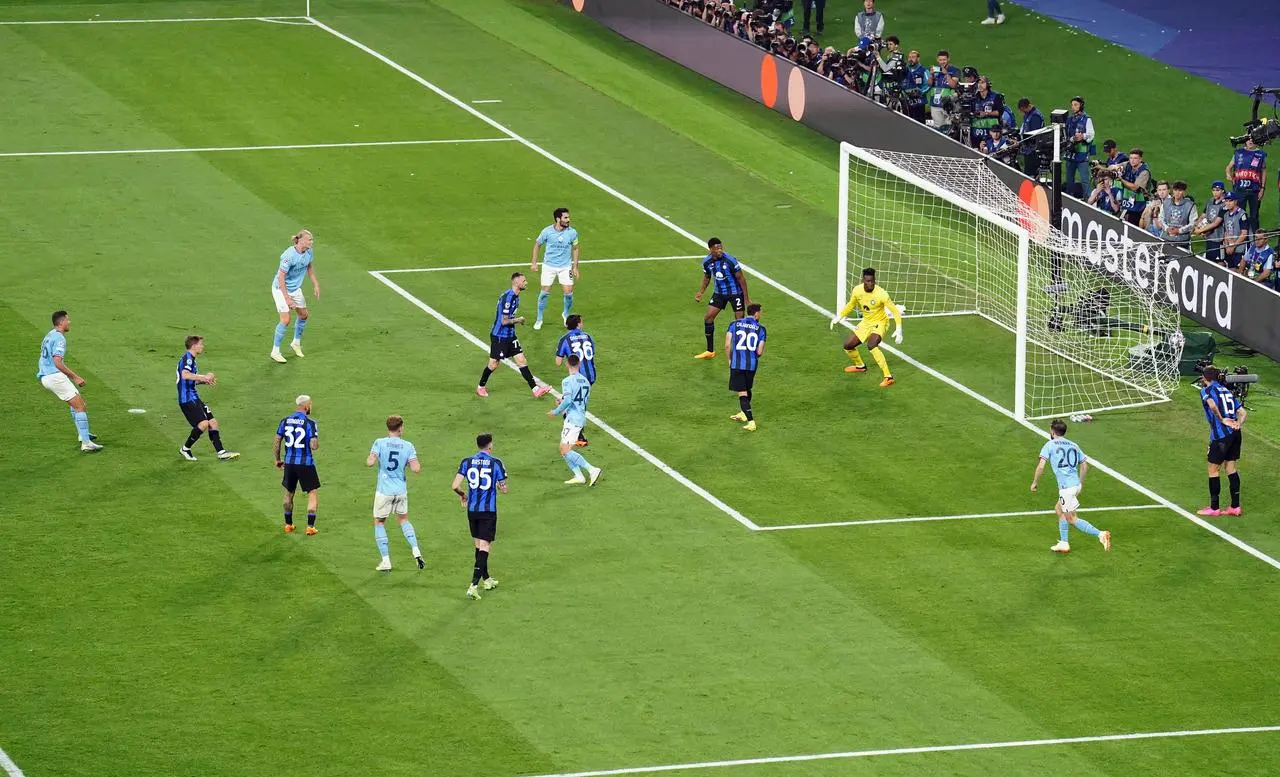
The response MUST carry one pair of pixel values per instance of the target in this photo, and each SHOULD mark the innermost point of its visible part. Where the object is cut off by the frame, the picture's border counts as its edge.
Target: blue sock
(410, 534)
(568, 461)
(1087, 527)
(279, 334)
(82, 424)
(542, 302)
(568, 303)
(1062, 529)
(576, 461)
(298, 328)
(380, 537)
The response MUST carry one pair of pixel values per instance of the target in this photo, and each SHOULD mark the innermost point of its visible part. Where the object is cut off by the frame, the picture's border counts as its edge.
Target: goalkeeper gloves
(897, 335)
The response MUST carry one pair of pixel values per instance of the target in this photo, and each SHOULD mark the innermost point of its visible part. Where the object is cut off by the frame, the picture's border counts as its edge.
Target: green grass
(160, 623)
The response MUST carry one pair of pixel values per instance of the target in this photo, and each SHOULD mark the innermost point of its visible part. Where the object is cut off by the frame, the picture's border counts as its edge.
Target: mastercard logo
(770, 83)
(578, 5)
(1035, 219)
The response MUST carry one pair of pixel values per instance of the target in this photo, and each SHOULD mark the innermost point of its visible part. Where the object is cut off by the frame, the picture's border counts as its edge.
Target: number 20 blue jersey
(745, 336)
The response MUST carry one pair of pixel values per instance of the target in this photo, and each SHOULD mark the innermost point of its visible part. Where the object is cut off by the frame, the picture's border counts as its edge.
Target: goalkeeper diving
(873, 301)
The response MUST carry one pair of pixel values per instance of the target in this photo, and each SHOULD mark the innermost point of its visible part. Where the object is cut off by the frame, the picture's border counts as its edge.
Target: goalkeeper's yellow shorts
(865, 329)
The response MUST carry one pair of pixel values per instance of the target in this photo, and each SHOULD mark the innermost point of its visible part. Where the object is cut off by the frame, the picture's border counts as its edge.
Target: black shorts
(504, 347)
(484, 525)
(302, 476)
(722, 301)
(741, 380)
(196, 412)
(1226, 449)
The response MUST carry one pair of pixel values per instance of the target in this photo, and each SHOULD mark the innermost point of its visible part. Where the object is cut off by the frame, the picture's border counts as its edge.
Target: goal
(947, 238)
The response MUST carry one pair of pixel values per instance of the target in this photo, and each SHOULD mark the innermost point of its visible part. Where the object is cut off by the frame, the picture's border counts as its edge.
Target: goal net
(948, 238)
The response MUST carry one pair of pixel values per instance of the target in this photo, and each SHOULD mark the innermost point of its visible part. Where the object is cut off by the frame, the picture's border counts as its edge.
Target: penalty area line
(606, 428)
(526, 264)
(10, 768)
(967, 517)
(288, 147)
(296, 19)
(783, 759)
(786, 290)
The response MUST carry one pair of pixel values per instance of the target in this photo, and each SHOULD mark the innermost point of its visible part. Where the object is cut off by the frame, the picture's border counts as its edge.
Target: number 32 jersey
(296, 433)
(394, 455)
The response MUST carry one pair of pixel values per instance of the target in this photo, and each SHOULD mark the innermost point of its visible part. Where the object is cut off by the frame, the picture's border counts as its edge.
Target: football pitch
(862, 586)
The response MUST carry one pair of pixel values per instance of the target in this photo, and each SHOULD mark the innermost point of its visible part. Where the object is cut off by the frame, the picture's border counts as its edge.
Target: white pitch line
(303, 19)
(10, 768)
(970, 516)
(290, 147)
(484, 102)
(606, 428)
(526, 264)
(827, 314)
(782, 759)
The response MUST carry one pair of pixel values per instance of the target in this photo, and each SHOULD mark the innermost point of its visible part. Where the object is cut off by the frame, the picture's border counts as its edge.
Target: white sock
(386, 559)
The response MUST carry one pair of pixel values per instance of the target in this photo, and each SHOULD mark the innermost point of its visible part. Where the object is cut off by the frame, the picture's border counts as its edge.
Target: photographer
(869, 23)
(915, 82)
(1150, 218)
(1112, 156)
(1177, 215)
(998, 146)
(943, 79)
(1135, 179)
(893, 69)
(1210, 224)
(1259, 262)
(1235, 228)
(1247, 171)
(1079, 131)
(1104, 196)
(861, 60)
(988, 108)
(1032, 120)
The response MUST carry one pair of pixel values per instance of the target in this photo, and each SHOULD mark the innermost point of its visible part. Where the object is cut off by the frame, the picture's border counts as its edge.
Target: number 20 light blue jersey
(394, 455)
(1065, 457)
(294, 266)
(575, 390)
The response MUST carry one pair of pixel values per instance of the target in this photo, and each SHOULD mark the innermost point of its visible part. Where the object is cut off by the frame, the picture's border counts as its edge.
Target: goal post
(948, 238)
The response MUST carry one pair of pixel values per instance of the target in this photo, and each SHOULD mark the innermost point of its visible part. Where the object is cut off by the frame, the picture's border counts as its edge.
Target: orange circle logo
(1036, 221)
(769, 81)
(578, 5)
(795, 93)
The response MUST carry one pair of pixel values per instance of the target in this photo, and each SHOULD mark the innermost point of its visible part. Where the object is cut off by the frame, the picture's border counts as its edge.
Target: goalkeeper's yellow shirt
(873, 305)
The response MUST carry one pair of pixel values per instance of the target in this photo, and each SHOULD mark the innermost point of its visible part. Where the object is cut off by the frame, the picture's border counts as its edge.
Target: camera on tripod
(1237, 379)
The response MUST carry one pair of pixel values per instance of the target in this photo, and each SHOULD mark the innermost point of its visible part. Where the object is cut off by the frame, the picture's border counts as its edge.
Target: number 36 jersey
(394, 455)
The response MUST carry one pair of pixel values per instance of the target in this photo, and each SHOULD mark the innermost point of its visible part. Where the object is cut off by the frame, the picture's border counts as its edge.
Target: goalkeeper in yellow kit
(873, 301)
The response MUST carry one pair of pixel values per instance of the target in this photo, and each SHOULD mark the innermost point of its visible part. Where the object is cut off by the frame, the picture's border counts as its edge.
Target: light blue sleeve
(59, 345)
(566, 396)
(542, 236)
(573, 236)
(284, 262)
(377, 448)
(1080, 451)
(1046, 450)
(413, 452)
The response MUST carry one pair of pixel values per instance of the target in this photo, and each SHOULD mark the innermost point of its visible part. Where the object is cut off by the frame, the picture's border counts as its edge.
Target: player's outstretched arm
(844, 312)
(1035, 479)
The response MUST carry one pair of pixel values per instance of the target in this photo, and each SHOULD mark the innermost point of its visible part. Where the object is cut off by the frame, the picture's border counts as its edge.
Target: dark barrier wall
(1236, 307)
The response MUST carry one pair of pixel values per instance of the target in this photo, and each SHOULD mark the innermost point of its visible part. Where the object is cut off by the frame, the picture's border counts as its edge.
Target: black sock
(744, 402)
(1215, 488)
(709, 329)
(215, 437)
(191, 438)
(475, 570)
(527, 374)
(582, 436)
(1233, 483)
(288, 516)
(484, 564)
(311, 519)
(484, 376)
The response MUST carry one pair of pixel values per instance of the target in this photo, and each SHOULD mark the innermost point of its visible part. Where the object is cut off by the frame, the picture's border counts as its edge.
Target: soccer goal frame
(1011, 234)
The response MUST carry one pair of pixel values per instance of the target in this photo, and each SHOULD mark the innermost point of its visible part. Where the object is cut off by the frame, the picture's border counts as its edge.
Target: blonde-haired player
(873, 301)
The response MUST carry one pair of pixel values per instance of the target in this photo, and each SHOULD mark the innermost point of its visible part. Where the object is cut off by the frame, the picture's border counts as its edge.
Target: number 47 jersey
(394, 455)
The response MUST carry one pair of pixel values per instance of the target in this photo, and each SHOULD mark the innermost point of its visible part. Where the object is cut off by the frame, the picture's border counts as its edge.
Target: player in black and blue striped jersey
(744, 340)
(503, 343)
(1225, 416)
(298, 436)
(730, 290)
(193, 408)
(485, 478)
(578, 343)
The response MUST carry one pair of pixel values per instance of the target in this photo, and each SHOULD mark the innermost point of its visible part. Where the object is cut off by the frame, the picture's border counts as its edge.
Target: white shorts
(281, 305)
(569, 433)
(386, 504)
(61, 386)
(1069, 498)
(561, 275)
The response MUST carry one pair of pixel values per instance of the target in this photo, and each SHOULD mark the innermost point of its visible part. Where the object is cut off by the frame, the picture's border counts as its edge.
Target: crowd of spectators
(963, 103)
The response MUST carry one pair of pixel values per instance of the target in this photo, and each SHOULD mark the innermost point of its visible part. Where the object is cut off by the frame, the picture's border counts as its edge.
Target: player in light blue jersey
(1070, 465)
(575, 390)
(392, 455)
(286, 290)
(559, 263)
(57, 377)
